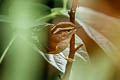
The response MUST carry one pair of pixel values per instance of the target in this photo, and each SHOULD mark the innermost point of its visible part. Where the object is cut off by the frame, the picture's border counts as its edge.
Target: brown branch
(78, 47)
(72, 42)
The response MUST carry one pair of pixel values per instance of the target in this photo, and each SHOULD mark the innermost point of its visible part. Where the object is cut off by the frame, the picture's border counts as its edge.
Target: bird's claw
(69, 59)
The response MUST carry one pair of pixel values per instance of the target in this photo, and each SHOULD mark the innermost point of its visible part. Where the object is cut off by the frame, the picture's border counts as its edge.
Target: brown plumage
(60, 36)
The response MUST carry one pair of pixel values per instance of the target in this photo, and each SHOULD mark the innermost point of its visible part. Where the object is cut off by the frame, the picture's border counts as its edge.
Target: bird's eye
(68, 30)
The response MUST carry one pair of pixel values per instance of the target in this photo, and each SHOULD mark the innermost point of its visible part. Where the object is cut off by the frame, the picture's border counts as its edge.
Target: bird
(60, 35)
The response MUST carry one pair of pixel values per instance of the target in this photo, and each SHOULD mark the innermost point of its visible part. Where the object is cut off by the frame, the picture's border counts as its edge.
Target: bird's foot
(69, 59)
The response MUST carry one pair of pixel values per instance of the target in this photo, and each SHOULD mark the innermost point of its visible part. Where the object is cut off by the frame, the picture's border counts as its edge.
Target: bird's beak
(75, 28)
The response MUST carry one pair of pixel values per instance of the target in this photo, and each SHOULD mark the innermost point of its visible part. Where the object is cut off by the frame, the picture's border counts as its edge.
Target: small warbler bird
(60, 36)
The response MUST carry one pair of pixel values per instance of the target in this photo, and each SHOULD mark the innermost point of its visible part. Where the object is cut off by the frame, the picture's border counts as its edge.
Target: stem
(48, 16)
(52, 15)
(78, 47)
(7, 48)
(65, 4)
(72, 42)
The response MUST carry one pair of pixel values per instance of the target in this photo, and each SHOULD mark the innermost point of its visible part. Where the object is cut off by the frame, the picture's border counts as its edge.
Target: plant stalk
(72, 42)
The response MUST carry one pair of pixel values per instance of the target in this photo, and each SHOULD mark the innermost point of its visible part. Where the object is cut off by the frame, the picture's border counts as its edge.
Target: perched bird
(60, 36)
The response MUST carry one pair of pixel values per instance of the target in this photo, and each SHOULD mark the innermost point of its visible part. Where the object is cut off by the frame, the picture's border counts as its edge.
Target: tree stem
(72, 42)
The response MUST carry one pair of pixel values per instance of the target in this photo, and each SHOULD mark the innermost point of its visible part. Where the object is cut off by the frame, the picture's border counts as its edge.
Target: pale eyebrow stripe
(53, 27)
(58, 26)
(59, 29)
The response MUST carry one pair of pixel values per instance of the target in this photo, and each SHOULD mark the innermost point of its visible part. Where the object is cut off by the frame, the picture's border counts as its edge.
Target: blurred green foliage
(21, 62)
(25, 18)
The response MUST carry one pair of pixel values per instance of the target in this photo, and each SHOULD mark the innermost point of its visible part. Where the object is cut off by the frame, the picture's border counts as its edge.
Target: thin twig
(78, 47)
(72, 42)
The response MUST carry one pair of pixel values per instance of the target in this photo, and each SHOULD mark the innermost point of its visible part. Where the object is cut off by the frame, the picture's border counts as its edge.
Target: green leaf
(5, 19)
(43, 1)
(39, 36)
(6, 49)
(42, 16)
(56, 60)
(42, 10)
